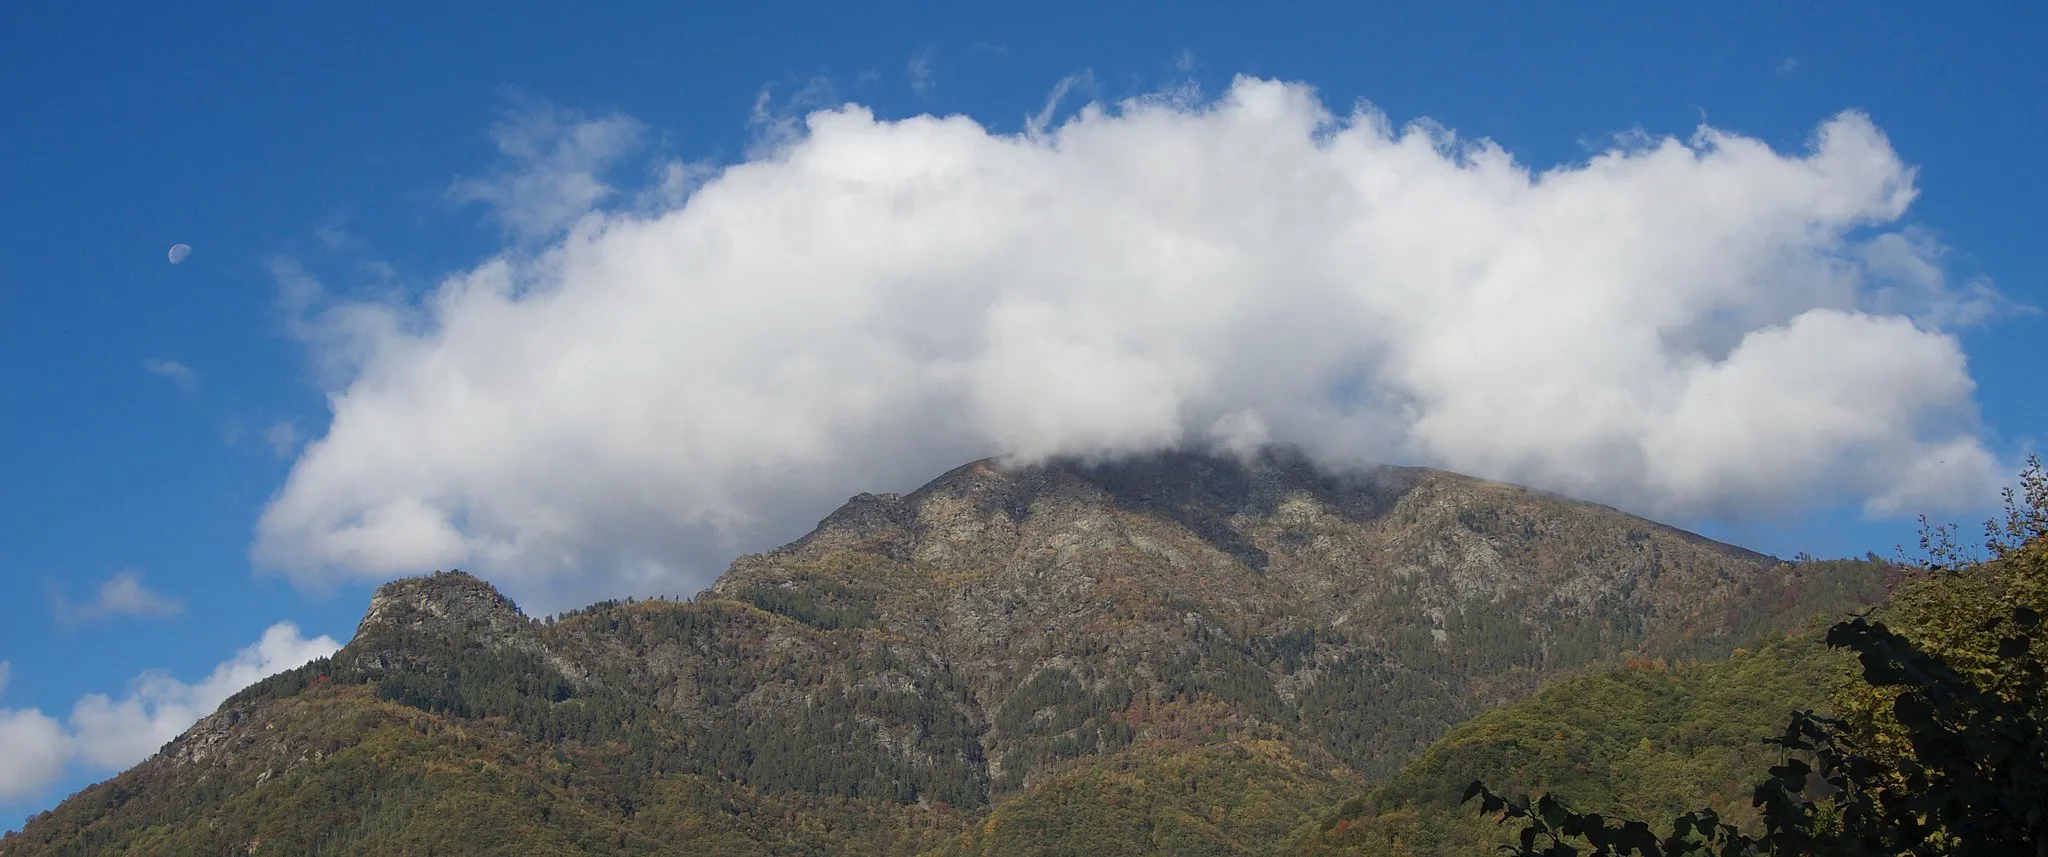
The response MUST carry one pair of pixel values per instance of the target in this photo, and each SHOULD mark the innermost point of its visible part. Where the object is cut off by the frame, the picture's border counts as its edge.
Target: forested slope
(1651, 739)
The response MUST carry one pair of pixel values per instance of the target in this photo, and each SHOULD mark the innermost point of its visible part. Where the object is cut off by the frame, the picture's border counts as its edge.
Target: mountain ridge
(995, 634)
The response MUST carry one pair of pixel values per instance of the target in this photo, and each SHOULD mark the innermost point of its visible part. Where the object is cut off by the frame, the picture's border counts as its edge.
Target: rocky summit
(1173, 654)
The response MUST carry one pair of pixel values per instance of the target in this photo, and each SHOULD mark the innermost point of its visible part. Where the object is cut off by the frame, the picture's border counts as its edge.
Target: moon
(179, 252)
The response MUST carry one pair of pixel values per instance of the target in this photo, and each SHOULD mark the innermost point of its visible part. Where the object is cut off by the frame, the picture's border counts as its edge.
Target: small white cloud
(283, 437)
(106, 734)
(333, 235)
(1788, 65)
(120, 595)
(920, 74)
(179, 373)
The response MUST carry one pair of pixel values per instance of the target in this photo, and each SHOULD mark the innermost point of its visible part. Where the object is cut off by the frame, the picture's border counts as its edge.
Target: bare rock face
(412, 623)
(443, 602)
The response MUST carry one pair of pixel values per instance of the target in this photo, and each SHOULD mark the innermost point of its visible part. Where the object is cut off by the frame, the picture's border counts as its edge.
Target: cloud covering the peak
(1689, 327)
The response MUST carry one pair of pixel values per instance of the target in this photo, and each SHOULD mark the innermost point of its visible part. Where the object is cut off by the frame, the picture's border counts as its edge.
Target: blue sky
(154, 411)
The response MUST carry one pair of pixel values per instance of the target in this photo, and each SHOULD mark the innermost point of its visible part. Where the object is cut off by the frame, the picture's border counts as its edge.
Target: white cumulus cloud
(1684, 327)
(31, 747)
(105, 734)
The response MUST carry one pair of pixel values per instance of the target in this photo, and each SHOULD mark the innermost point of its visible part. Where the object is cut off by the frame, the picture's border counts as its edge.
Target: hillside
(1654, 741)
(1650, 739)
(1208, 651)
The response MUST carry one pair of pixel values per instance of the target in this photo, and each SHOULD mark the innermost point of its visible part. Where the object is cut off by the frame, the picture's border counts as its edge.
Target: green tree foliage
(342, 773)
(1224, 800)
(1651, 737)
(1942, 752)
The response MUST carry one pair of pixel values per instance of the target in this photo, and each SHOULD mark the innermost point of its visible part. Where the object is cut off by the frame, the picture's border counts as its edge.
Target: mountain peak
(1201, 491)
(442, 599)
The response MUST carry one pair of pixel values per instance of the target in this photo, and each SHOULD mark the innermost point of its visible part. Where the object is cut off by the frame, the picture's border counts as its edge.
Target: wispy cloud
(1788, 65)
(179, 373)
(340, 333)
(123, 594)
(1082, 81)
(920, 74)
(555, 162)
(283, 437)
(776, 125)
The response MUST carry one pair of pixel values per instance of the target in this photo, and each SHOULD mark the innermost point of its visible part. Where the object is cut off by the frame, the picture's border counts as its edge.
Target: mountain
(1177, 653)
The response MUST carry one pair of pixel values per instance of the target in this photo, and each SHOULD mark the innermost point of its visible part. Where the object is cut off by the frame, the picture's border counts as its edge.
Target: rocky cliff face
(1001, 625)
(443, 603)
